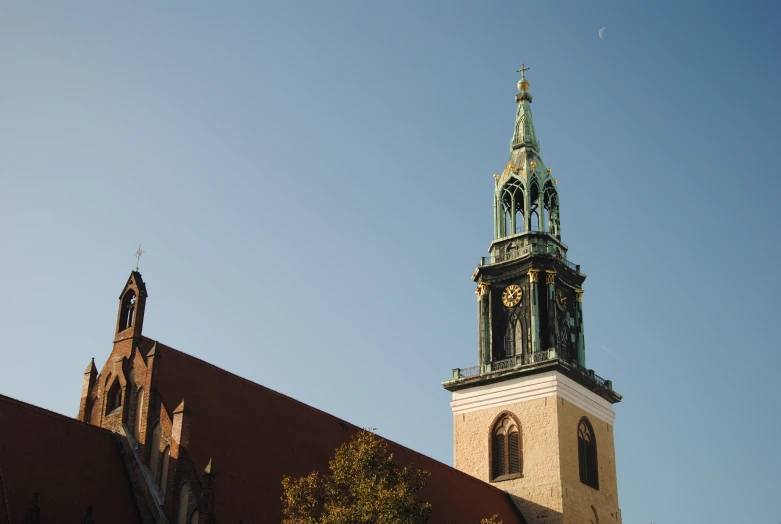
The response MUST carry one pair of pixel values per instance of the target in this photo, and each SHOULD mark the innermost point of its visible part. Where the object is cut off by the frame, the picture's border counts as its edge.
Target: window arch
(506, 450)
(513, 335)
(534, 207)
(184, 503)
(514, 338)
(196, 516)
(587, 454)
(139, 413)
(154, 451)
(164, 472)
(127, 314)
(512, 198)
(596, 517)
(114, 397)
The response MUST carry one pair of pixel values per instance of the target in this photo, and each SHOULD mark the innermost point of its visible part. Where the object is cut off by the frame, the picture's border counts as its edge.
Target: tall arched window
(512, 208)
(128, 310)
(154, 451)
(514, 335)
(506, 453)
(184, 503)
(196, 516)
(587, 454)
(114, 397)
(139, 411)
(164, 468)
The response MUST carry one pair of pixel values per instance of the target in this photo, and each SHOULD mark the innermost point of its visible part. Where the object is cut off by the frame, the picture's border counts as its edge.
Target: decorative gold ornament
(512, 295)
(496, 176)
(579, 295)
(533, 275)
(482, 290)
(533, 164)
(550, 276)
(561, 300)
(549, 171)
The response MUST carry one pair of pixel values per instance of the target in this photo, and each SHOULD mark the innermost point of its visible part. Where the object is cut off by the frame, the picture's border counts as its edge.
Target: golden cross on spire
(523, 70)
(138, 254)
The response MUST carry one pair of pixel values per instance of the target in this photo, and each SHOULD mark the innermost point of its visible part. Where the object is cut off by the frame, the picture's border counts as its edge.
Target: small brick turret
(130, 318)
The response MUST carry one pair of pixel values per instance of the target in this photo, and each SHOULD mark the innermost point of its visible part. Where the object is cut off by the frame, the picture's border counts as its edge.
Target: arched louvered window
(587, 454)
(506, 451)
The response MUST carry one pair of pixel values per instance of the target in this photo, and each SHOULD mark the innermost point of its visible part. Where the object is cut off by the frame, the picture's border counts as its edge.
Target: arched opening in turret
(512, 208)
(127, 313)
(534, 208)
(551, 212)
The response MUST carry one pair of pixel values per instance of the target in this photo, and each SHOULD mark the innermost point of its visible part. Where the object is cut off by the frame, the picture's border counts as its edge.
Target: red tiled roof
(71, 465)
(255, 435)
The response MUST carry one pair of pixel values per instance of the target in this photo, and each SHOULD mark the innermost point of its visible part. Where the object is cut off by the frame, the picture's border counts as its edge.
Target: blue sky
(313, 185)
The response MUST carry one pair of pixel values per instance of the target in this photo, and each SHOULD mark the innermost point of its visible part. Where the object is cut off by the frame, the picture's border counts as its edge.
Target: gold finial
(549, 171)
(534, 164)
(496, 176)
(523, 84)
(555, 180)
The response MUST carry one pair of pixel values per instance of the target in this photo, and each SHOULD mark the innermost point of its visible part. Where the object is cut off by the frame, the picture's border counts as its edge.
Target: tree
(364, 486)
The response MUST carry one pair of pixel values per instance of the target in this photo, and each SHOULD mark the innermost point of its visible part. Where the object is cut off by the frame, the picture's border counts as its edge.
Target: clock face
(561, 300)
(512, 295)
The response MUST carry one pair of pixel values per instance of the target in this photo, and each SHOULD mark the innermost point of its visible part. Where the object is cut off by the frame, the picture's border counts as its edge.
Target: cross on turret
(523, 70)
(138, 254)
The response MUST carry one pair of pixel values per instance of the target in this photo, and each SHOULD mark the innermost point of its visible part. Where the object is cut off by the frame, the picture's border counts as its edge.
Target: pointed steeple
(91, 369)
(524, 135)
(526, 198)
(85, 406)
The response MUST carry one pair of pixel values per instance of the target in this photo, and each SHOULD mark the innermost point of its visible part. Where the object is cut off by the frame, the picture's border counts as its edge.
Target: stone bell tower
(531, 418)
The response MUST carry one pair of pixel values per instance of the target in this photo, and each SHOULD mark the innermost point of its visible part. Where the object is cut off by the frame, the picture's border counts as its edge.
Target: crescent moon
(602, 33)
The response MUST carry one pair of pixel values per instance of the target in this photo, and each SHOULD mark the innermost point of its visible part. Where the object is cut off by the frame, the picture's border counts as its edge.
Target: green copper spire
(526, 198)
(524, 126)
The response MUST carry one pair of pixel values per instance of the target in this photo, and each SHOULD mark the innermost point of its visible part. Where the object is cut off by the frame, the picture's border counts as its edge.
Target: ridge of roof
(312, 408)
(51, 413)
(71, 464)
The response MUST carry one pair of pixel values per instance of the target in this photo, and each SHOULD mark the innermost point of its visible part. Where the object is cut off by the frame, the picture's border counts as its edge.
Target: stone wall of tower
(538, 491)
(549, 408)
(579, 498)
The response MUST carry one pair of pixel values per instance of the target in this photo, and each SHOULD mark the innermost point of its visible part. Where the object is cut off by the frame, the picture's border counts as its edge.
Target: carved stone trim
(533, 273)
(482, 290)
(579, 295)
(550, 276)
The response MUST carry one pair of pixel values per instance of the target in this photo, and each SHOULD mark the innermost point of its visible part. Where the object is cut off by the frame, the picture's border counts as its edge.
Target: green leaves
(364, 486)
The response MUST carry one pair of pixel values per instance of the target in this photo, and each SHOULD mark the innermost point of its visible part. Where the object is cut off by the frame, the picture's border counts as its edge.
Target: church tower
(531, 418)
